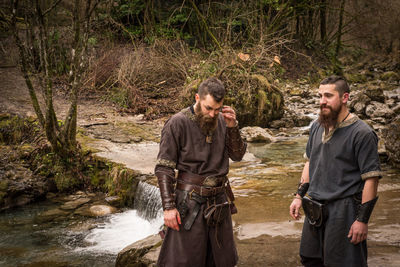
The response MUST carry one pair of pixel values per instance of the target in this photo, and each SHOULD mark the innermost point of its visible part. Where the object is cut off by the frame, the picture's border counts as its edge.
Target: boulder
(74, 204)
(256, 100)
(115, 201)
(393, 94)
(52, 215)
(19, 186)
(390, 76)
(256, 135)
(134, 254)
(377, 109)
(392, 136)
(358, 103)
(102, 210)
(375, 93)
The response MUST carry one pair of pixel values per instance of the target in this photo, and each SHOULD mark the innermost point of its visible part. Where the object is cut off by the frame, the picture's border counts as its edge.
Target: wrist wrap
(365, 210)
(302, 189)
(166, 185)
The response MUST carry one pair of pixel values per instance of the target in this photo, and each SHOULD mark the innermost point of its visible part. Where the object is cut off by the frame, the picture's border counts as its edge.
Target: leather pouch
(313, 211)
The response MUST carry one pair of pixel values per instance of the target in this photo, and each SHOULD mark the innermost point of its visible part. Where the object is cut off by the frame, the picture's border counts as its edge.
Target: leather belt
(192, 178)
(204, 191)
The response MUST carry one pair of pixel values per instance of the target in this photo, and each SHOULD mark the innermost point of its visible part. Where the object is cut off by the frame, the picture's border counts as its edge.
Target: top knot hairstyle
(340, 83)
(213, 87)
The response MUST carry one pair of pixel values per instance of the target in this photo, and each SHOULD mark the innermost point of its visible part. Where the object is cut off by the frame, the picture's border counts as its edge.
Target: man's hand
(358, 232)
(229, 116)
(295, 209)
(172, 219)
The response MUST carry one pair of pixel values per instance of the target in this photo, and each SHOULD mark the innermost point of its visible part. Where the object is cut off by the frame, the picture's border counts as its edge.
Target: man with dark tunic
(198, 142)
(341, 179)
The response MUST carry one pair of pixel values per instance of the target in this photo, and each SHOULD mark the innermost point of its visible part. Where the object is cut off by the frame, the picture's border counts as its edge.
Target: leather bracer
(166, 184)
(235, 144)
(302, 189)
(365, 210)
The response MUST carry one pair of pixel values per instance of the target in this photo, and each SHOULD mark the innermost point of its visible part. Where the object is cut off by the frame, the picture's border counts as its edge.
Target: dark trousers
(328, 244)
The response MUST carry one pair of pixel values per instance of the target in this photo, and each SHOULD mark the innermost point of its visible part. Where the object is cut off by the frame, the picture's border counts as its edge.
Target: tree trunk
(322, 17)
(340, 29)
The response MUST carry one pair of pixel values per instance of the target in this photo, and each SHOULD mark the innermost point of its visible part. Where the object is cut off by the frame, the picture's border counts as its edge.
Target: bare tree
(61, 137)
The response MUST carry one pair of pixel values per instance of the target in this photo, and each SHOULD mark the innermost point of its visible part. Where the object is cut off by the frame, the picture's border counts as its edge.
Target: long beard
(206, 123)
(329, 120)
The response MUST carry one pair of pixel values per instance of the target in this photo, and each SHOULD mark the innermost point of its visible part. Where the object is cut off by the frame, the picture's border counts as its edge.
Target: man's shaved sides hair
(340, 83)
(214, 87)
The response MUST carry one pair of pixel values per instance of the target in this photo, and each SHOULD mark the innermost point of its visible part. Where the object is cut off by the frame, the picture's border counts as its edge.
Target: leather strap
(195, 211)
(203, 191)
(191, 177)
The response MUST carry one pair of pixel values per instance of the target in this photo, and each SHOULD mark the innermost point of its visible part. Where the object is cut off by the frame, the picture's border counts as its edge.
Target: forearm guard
(302, 189)
(166, 184)
(365, 210)
(235, 144)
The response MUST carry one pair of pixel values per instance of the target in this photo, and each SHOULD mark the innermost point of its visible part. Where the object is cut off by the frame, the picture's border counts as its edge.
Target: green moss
(143, 132)
(85, 142)
(14, 130)
(66, 182)
(3, 185)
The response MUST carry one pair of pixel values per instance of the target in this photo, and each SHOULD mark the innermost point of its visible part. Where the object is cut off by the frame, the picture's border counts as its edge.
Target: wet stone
(101, 210)
(71, 205)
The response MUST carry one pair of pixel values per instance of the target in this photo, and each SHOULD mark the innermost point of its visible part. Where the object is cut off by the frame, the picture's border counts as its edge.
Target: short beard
(206, 123)
(329, 120)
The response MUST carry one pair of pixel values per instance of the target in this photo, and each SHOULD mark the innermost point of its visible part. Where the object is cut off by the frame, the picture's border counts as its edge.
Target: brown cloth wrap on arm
(235, 144)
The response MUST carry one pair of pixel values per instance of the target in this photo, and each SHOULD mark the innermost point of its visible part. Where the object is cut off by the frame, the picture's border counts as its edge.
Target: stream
(263, 184)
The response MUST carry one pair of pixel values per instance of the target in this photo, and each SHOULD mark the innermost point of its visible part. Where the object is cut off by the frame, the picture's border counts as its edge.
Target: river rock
(375, 93)
(392, 142)
(377, 109)
(52, 215)
(19, 186)
(133, 255)
(115, 201)
(102, 210)
(390, 76)
(74, 204)
(256, 135)
(393, 94)
(358, 103)
(396, 109)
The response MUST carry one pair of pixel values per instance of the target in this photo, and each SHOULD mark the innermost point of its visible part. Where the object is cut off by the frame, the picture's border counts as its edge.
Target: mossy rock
(256, 101)
(356, 78)
(390, 76)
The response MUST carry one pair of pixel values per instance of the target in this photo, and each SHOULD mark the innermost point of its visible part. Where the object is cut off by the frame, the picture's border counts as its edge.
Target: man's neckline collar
(327, 137)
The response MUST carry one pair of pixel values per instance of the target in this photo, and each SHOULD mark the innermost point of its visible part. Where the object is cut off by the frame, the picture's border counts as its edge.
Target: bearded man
(198, 142)
(341, 179)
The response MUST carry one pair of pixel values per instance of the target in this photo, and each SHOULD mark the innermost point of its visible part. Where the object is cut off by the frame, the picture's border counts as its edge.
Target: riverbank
(263, 183)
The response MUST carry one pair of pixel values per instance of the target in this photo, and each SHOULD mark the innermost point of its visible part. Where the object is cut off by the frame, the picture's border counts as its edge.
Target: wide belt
(204, 191)
(192, 178)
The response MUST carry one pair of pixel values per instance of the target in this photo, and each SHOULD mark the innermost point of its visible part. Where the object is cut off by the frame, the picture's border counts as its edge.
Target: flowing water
(263, 184)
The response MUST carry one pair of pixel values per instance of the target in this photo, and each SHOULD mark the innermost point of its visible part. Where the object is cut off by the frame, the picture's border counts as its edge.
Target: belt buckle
(190, 194)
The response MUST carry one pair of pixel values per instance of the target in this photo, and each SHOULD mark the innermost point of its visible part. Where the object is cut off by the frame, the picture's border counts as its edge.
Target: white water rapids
(122, 230)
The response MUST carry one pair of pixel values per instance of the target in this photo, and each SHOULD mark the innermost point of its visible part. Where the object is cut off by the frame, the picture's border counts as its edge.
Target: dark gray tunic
(339, 164)
(342, 160)
(183, 147)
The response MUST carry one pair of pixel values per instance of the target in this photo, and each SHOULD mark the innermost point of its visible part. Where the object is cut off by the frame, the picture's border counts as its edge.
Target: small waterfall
(148, 201)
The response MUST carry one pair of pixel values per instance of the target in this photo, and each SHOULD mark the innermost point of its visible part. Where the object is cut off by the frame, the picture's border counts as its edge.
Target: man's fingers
(179, 218)
(350, 232)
